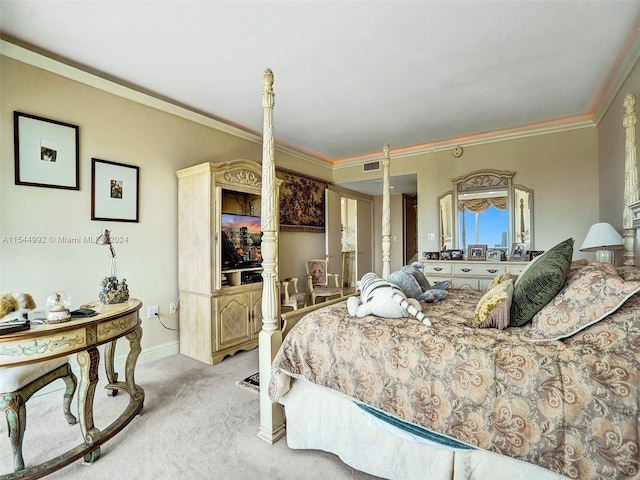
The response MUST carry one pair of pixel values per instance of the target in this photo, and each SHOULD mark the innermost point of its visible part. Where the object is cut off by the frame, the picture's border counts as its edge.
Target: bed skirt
(319, 418)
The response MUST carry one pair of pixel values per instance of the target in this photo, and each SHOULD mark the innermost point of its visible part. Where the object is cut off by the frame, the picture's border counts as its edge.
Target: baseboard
(146, 355)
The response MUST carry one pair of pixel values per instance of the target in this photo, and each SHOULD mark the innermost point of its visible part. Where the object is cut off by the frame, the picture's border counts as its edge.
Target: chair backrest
(292, 297)
(317, 270)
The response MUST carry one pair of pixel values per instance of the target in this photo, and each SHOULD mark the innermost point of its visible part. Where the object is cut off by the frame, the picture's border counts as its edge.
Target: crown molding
(480, 139)
(629, 62)
(94, 80)
(77, 74)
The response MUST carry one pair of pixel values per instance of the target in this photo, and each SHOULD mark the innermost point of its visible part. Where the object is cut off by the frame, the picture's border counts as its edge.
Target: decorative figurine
(112, 291)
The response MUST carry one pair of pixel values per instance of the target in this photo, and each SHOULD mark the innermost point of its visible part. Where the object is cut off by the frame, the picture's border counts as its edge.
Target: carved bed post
(630, 177)
(386, 216)
(270, 337)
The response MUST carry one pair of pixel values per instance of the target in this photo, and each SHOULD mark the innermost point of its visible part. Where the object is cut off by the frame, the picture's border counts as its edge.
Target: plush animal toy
(13, 305)
(414, 284)
(383, 299)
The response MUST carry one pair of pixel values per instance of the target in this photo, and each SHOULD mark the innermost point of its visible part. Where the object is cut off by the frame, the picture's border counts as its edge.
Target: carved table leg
(71, 384)
(112, 375)
(135, 392)
(16, 414)
(89, 361)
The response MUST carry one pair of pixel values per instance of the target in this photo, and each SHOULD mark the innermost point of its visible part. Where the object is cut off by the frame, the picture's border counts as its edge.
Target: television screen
(241, 238)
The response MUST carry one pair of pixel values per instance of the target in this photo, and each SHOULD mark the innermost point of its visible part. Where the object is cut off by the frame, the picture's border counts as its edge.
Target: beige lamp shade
(602, 238)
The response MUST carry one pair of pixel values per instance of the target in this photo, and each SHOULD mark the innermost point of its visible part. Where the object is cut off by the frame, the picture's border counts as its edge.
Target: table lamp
(602, 238)
(112, 290)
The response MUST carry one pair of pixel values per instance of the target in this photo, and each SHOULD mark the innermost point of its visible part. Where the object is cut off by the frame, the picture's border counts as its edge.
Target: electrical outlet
(172, 308)
(152, 312)
(431, 236)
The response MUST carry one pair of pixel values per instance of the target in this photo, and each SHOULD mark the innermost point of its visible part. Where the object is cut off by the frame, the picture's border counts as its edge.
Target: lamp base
(605, 256)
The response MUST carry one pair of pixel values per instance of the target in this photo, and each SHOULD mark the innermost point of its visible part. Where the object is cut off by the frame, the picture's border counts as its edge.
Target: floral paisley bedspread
(570, 406)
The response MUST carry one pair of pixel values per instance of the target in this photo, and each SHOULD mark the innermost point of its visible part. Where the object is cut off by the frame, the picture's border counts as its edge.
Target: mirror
(445, 227)
(485, 208)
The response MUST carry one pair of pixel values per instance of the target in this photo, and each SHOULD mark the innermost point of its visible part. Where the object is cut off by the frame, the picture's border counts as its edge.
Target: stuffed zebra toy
(383, 299)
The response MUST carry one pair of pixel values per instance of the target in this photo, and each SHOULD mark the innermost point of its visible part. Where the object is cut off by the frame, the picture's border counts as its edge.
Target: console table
(82, 337)
(474, 274)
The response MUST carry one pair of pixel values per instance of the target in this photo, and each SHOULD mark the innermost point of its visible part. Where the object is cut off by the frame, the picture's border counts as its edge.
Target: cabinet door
(232, 320)
(256, 309)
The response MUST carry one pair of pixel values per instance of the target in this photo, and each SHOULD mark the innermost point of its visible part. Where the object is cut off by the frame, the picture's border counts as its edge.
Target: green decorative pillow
(493, 308)
(590, 294)
(498, 279)
(539, 283)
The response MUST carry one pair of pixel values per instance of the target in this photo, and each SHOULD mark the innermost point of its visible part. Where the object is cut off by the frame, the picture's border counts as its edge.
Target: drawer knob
(492, 270)
(466, 270)
(437, 269)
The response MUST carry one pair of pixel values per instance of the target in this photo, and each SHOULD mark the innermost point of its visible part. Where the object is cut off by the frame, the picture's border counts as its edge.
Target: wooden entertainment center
(219, 262)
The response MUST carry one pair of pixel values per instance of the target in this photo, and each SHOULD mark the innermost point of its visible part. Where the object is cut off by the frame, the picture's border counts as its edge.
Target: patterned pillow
(539, 283)
(590, 294)
(498, 279)
(493, 308)
(629, 273)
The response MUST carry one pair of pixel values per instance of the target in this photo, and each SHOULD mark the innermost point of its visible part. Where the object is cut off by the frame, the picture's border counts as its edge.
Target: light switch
(431, 236)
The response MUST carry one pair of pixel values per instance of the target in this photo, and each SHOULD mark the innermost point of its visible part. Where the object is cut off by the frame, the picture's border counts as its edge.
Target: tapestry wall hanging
(301, 202)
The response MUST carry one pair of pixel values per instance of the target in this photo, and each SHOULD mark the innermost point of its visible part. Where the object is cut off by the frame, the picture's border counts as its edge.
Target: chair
(293, 299)
(318, 280)
(21, 383)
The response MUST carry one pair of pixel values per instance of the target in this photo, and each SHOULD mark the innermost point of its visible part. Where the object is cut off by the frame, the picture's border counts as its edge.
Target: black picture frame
(456, 254)
(46, 152)
(115, 191)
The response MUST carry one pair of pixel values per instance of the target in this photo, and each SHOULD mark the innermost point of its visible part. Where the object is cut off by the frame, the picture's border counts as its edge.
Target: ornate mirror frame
(519, 204)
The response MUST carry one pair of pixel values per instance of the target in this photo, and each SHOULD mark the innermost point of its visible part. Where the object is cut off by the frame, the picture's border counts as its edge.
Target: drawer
(472, 283)
(437, 269)
(517, 269)
(478, 269)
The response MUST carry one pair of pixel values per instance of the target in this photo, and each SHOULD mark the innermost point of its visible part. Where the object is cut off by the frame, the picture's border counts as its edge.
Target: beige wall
(120, 130)
(561, 168)
(611, 141)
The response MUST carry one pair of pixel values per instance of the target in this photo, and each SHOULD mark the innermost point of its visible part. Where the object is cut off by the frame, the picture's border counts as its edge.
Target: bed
(555, 398)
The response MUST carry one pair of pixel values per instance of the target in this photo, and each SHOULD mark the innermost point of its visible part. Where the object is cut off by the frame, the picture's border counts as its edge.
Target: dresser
(476, 275)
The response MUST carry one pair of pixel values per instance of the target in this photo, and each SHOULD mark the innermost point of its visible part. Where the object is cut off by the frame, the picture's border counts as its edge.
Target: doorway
(349, 236)
(410, 229)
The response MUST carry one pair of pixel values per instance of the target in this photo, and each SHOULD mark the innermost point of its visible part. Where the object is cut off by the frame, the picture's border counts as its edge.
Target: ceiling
(349, 75)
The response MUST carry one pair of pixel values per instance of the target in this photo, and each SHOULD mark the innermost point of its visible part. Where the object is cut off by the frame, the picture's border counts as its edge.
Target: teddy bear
(414, 284)
(383, 299)
(13, 306)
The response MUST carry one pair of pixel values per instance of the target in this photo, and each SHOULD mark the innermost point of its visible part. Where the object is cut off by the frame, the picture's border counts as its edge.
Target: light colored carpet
(196, 424)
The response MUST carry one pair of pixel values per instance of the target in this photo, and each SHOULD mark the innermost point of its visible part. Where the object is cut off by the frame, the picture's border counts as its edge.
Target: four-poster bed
(398, 399)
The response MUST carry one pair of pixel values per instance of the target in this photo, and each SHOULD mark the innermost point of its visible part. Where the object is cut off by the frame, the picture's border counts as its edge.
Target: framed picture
(114, 191)
(431, 255)
(495, 255)
(477, 252)
(457, 254)
(519, 251)
(535, 253)
(445, 255)
(47, 152)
